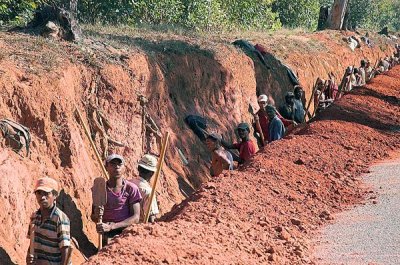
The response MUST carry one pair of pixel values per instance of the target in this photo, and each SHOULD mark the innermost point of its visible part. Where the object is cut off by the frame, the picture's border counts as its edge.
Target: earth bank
(41, 81)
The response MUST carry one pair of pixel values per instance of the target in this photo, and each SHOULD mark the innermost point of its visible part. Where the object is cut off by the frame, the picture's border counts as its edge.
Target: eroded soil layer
(268, 211)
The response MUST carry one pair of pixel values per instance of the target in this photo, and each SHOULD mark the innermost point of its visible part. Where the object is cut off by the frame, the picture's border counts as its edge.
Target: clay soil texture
(268, 211)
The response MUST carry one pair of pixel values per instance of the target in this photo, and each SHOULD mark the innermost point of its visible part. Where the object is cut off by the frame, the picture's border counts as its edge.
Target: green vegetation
(215, 15)
(375, 14)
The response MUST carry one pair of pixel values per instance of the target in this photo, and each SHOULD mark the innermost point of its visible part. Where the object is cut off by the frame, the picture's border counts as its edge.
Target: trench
(210, 83)
(368, 233)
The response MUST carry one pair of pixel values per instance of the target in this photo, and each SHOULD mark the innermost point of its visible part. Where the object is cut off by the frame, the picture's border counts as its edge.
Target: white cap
(148, 162)
(263, 98)
(115, 156)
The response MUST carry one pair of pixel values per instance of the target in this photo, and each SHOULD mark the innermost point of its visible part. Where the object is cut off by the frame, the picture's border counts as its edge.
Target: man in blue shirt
(299, 112)
(276, 127)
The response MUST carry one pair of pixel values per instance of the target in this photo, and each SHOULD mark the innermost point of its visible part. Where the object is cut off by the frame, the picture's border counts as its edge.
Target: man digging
(147, 167)
(123, 201)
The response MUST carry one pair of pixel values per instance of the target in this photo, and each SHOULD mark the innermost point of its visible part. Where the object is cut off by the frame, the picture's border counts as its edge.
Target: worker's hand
(98, 211)
(104, 227)
(33, 217)
(30, 259)
(295, 123)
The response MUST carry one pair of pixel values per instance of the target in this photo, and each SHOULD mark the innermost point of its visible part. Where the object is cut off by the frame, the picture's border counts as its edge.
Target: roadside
(367, 234)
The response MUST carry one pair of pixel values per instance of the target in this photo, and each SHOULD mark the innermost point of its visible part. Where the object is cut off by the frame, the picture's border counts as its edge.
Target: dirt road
(367, 234)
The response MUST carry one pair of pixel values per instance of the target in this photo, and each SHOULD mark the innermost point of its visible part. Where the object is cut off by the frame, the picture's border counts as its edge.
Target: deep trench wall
(42, 97)
(311, 56)
(40, 82)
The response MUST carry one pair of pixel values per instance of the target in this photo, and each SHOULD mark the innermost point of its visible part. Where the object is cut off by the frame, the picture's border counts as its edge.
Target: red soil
(41, 80)
(268, 211)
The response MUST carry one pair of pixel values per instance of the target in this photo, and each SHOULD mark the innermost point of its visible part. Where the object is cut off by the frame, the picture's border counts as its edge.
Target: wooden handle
(92, 143)
(258, 127)
(159, 166)
(100, 236)
(32, 239)
(311, 100)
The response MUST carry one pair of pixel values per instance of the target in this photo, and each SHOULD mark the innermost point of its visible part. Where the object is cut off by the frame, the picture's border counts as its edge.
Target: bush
(298, 13)
(17, 11)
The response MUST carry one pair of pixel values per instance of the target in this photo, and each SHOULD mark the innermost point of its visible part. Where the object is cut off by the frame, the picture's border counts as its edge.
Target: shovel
(99, 197)
(258, 125)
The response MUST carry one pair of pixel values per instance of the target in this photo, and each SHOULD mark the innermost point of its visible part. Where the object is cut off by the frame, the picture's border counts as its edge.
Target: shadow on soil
(5, 258)
(67, 205)
(382, 121)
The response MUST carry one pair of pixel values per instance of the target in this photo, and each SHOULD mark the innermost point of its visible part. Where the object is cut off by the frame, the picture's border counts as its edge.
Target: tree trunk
(337, 14)
(57, 21)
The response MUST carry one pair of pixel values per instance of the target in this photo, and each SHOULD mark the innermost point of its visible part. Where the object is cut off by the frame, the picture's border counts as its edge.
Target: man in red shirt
(262, 116)
(246, 147)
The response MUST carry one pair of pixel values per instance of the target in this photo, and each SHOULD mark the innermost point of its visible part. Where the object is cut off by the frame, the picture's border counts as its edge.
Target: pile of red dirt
(41, 81)
(267, 211)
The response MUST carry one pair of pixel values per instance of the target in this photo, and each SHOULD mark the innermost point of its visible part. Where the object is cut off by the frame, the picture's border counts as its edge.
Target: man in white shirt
(146, 167)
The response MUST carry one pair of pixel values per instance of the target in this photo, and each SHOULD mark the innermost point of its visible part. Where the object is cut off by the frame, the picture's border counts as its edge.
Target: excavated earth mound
(266, 212)
(41, 81)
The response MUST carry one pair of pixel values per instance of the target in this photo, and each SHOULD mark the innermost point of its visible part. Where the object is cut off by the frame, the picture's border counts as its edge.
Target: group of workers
(127, 200)
(126, 203)
(271, 124)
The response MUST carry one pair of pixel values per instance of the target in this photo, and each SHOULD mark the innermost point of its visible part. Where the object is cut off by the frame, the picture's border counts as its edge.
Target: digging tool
(32, 239)
(311, 100)
(158, 171)
(143, 102)
(105, 173)
(99, 197)
(319, 97)
(76, 246)
(258, 125)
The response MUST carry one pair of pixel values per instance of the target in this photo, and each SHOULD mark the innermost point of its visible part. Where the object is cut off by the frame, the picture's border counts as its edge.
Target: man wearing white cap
(123, 201)
(262, 116)
(146, 167)
(52, 240)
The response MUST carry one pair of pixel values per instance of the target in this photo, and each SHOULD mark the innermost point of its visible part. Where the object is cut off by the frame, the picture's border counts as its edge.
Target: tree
(337, 14)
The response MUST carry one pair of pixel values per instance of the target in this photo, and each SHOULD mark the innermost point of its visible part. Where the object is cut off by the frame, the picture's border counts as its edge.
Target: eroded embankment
(41, 80)
(268, 211)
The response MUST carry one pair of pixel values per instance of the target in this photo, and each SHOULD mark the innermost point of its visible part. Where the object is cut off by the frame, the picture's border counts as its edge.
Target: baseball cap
(46, 184)
(148, 162)
(262, 98)
(115, 156)
(243, 125)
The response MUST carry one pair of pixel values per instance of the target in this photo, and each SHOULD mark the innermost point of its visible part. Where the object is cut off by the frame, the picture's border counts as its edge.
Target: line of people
(270, 124)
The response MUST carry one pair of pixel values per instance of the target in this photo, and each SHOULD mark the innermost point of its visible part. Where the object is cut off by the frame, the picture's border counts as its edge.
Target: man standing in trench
(52, 240)
(147, 166)
(123, 201)
(299, 112)
(276, 127)
(264, 121)
(246, 147)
